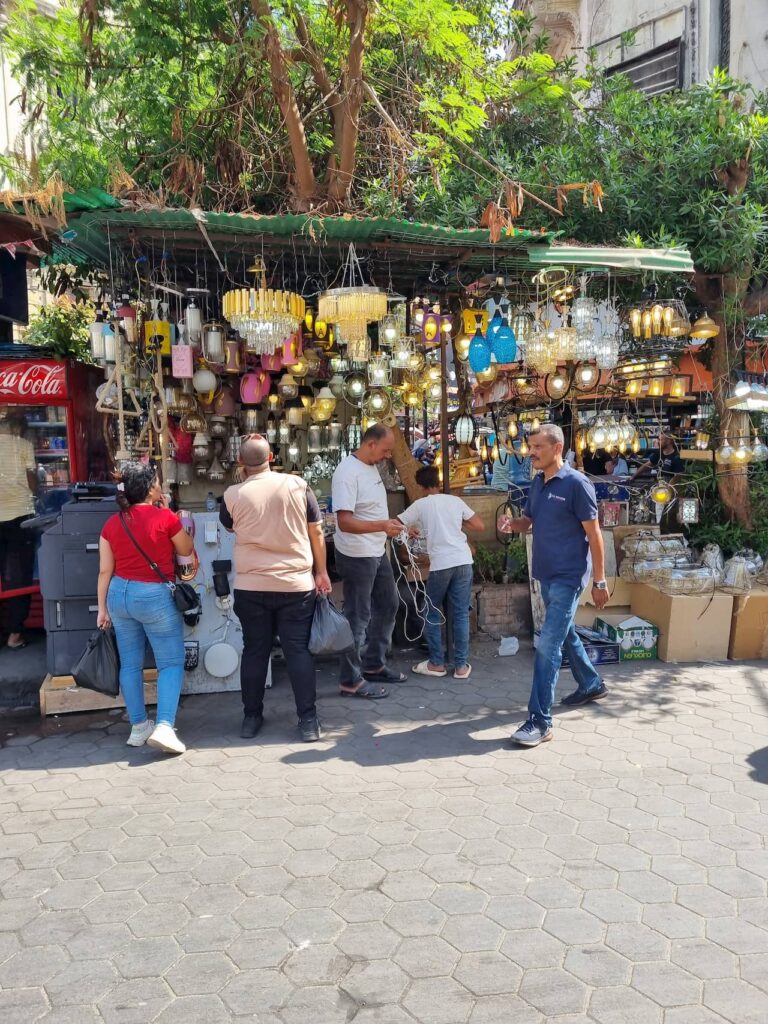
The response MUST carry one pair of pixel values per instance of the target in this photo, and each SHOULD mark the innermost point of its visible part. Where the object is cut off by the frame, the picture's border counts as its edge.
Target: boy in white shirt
(439, 518)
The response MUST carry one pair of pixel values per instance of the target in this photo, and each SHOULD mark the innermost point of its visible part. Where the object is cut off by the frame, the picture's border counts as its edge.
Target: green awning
(630, 259)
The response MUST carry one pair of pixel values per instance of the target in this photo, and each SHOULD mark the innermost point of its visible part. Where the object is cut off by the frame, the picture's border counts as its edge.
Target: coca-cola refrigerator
(50, 403)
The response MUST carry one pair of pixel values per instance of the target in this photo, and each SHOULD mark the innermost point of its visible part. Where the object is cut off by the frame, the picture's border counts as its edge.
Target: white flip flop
(423, 669)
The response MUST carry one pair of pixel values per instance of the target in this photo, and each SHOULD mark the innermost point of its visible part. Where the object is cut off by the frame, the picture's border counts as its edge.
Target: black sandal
(387, 675)
(366, 692)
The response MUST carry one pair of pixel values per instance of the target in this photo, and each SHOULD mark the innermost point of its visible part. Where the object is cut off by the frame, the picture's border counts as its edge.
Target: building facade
(674, 43)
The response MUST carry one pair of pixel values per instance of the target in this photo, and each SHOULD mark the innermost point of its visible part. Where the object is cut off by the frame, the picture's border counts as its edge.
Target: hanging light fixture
(354, 388)
(656, 388)
(488, 376)
(586, 376)
(724, 454)
(556, 385)
(704, 328)
(378, 404)
(677, 388)
(504, 344)
(389, 330)
(263, 316)
(352, 307)
(326, 399)
(662, 493)
(379, 371)
(464, 428)
(288, 387)
(479, 353)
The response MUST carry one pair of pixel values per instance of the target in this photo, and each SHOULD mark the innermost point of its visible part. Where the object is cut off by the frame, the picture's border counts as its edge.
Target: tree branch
(285, 96)
(313, 57)
(370, 92)
(341, 179)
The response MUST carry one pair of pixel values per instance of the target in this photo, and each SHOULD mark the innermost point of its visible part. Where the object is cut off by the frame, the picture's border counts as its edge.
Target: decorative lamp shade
(326, 399)
(504, 344)
(634, 387)
(287, 387)
(354, 388)
(416, 361)
(587, 376)
(224, 402)
(272, 362)
(656, 388)
(284, 431)
(213, 343)
(677, 388)
(464, 429)
(430, 329)
(307, 395)
(434, 393)
(336, 385)
(254, 387)
(299, 367)
(461, 345)
(379, 371)
(488, 376)
(389, 331)
(98, 349)
(494, 325)
(479, 354)
(662, 493)
(556, 385)
(204, 381)
(295, 412)
(474, 319)
(274, 401)
(724, 454)
(401, 353)
(201, 446)
(687, 510)
(232, 362)
(705, 327)
(759, 450)
(378, 404)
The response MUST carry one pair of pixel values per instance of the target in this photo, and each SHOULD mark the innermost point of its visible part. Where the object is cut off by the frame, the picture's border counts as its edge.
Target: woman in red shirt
(140, 606)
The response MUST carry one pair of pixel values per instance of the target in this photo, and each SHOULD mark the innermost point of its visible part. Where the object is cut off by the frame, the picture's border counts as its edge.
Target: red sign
(32, 383)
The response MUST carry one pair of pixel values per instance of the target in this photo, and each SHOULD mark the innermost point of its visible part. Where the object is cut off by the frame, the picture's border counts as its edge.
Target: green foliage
(716, 527)
(489, 564)
(62, 328)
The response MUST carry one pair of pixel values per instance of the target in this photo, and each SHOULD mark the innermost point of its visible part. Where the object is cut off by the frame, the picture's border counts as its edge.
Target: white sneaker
(140, 733)
(164, 738)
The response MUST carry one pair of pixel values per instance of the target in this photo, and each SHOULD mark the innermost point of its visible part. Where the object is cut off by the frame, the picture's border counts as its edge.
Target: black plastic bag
(331, 633)
(98, 667)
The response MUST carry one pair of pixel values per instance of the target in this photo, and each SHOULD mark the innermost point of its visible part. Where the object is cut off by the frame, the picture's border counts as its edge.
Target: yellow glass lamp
(705, 327)
(677, 388)
(662, 493)
(634, 387)
(635, 322)
(656, 388)
(488, 376)
(524, 449)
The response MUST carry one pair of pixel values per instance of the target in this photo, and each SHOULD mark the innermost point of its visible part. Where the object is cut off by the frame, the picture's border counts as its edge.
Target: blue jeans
(140, 612)
(455, 584)
(558, 632)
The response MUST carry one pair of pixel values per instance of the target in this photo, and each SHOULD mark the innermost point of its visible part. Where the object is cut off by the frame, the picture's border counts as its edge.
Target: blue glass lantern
(479, 353)
(494, 325)
(504, 343)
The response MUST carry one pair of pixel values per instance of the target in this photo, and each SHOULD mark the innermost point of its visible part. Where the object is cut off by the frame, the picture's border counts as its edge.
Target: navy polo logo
(555, 497)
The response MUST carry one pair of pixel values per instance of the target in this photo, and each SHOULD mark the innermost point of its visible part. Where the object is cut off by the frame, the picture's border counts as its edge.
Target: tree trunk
(341, 173)
(405, 464)
(732, 481)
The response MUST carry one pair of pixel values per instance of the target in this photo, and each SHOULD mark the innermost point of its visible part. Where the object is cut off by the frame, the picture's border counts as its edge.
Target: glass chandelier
(265, 317)
(352, 307)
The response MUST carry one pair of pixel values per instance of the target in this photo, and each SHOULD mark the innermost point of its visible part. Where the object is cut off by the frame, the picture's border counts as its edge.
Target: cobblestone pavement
(408, 868)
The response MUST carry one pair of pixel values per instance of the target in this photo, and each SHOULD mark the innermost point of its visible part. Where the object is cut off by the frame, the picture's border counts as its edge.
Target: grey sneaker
(531, 735)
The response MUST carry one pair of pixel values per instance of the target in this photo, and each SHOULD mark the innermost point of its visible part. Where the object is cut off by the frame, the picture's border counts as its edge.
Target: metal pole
(444, 413)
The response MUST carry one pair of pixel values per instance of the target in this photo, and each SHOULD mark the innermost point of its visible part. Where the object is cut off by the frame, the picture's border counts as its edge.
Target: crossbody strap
(155, 567)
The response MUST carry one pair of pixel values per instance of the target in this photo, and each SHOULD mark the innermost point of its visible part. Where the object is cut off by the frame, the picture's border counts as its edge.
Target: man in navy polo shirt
(567, 543)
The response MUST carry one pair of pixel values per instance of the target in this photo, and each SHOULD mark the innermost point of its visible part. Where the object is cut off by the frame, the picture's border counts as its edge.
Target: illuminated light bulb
(634, 387)
(484, 451)
(656, 388)
(724, 454)
(461, 347)
(657, 318)
(524, 449)
(677, 388)
(635, 322)
(586, 375)
(662, 494)
(759, 450)
(599, 436)
(635, 445)
(669, 316)
(535, 423)
(473, 470)
(439, 458)
(512, 427)
(495, 452)
(742, 454)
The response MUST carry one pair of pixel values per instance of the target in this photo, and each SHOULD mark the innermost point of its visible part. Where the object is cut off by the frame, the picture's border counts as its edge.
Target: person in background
(515, 469)
(617, 465)
(596, 463)
(140, 607)
(562, 509)
(363, 524)
(280, 566)
(424, 451)
(439, 518)
(665, 460)
(18, 486)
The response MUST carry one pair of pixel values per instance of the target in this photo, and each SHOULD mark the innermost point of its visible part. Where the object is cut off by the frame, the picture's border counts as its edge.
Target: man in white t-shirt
(440, 518)
(363, 524)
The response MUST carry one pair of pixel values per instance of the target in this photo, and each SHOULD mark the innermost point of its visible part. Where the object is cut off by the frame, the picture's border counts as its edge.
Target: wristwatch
(600, 584)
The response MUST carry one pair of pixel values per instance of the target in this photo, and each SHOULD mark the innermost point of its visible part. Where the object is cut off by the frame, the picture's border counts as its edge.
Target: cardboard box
(690, 628)
(599, 650)
(636, 637)
(587, 613)
(619, 592)
(749, 626)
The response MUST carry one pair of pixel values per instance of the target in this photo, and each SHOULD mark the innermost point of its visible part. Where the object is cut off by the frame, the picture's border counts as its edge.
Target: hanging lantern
(512, 428)
(213, 342)
(662, 493)
(314, 439)
(389, 331)
(354, 388)
(430, 329)
(464, 429)
(204, 381)
(687, 511)
(634, 388)
(742, 455)
(201, 447)
(494, 325)
(586, 376)
(295, 413)
(379, 372)
(461, 345)
(335, 435)
(336, 385)
(656, 388)
(556, 385)
(283, 432)
(326, 400)
(504, 343)
(401, 353)
(96, 333)
(287, 387)
(479, 354)
(488, 376)
(759, 450)
(704, 328)
(677, 388)
(724, 454)
(378, 404)
(524, 449)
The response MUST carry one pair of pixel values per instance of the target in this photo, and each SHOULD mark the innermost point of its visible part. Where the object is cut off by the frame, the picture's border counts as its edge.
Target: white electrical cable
(419, 587)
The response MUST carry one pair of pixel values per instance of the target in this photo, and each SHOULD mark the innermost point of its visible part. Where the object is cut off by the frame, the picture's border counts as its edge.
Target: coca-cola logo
(33, 380)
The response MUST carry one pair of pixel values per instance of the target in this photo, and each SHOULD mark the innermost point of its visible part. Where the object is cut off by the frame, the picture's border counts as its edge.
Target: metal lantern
(389, 331)
(314, 439)
(283, 432)
(379, 372)
(96, 332)
(287, 387)
(213, 342)
(378, 404)
(201, 446)
(354, 388)
(687, 510)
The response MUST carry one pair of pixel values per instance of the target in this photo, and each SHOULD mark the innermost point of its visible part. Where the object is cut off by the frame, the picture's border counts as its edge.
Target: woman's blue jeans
(455, 584)
(141, 612)
(558, 633)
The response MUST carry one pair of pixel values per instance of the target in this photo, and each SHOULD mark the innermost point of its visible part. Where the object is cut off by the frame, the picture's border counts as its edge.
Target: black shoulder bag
(185, 597)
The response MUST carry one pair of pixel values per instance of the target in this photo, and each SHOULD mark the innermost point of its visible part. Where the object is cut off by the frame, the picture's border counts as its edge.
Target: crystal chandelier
(265, 317)
(352, 307)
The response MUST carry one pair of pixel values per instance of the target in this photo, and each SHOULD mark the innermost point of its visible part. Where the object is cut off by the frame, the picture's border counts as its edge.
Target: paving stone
(199, 973)
(256, 992)
(84, 982)
(147, 958)
(321, 1005)
(704, 959)
(206, 934)
(376, 982)
(487, 973)
(20, 1006)
(30, 968)
(419, 917)
(739, 937)
(673, 921)
(472, 932)
(552, 990)
(737, 1001)
(427, 957)
(597, 966)
(531, 947)
(134, 1002)
(637, 942)
(315, 965)
(503, 1009)
(438, 1001)
(666, 984)
(195, 1010)
(573, 925)
(260, 949)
